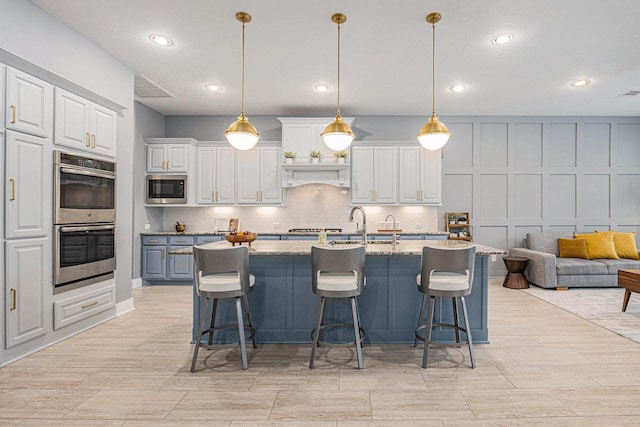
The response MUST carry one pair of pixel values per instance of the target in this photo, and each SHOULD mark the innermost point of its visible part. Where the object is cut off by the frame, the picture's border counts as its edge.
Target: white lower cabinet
(259, 176)
(216, 176)
(419, 176)
(374, 177)
(28, 282)
(79, 307)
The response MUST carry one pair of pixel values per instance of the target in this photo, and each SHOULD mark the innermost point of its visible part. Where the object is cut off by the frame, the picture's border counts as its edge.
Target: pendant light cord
(338, 69)
(242, 107)
(433, 70)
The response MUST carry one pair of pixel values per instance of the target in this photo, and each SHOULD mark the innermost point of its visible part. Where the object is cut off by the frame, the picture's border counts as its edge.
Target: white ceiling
(291, 46)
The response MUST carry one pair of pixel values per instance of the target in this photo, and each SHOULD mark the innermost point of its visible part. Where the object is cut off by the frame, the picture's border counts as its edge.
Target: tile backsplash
(305, 206)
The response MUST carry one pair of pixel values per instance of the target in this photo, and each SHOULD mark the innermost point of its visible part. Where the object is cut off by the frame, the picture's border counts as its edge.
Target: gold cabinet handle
(89, 305)
(13, 114)
(14, 298)
(168, 164)
(216, 195)
(213, 196)
(93, 145)
(88, 139)
(260, 195)
(164, 164)
(13, 189)
(257, 196)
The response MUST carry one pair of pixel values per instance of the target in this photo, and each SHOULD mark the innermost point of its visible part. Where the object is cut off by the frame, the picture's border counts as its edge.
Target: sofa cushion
(625, 244)
(613, 265)
(570, 266)
(543, 242)
(599, 245)
(573, 248)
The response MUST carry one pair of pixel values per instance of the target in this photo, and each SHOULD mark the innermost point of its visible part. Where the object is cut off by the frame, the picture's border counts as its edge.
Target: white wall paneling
(557, 174)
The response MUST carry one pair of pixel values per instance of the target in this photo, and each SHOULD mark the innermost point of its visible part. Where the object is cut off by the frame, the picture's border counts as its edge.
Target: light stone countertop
(302, 247)
(298, 233)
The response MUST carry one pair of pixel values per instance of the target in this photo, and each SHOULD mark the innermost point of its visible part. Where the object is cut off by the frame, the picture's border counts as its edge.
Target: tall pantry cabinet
(28, 125)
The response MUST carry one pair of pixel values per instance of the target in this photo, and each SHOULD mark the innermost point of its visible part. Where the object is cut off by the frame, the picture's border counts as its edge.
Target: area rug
(600, 306)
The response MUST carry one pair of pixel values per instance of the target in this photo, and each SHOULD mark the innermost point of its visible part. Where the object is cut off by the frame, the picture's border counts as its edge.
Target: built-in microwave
(166, 189)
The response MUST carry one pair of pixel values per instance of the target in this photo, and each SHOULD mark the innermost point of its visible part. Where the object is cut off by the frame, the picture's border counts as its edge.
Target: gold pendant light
(434, 135)
(241, 134)
(338, 135)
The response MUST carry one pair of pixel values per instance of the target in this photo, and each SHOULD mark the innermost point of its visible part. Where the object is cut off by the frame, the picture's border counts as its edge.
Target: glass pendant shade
(241, 134)
(434, 135)
(337, 135)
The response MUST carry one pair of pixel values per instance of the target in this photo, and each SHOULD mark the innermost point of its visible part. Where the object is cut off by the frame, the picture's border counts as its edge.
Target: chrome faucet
(394, 236)
(363, 230)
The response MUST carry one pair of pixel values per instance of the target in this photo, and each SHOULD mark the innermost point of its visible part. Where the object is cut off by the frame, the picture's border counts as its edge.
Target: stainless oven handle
(87, 228)
(87, 173)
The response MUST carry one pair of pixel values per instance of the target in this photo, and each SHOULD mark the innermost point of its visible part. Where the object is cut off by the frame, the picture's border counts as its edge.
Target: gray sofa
(547, 270)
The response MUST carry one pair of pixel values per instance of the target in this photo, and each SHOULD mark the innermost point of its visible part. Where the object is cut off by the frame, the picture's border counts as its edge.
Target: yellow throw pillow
(599, 245)
(573, 248)
(625, 244)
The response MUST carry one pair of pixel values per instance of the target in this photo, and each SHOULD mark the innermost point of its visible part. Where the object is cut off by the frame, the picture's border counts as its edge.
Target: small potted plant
(452, 218)
(341, 156)
(289, 156)
(315, 156)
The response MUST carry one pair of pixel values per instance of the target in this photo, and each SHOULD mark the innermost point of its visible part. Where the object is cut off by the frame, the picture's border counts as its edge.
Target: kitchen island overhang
(284, 308)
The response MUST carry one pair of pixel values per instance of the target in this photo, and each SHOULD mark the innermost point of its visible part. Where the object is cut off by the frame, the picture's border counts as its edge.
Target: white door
(156, 158)
(103, 131)
(29, 106)
(361, 174)
(270, 175)
(385, 175)
(205, 183)
(248, 176)
(177, 157)
(431, 177)
(409, 176)
(27, 279)
(28, 186)
(71, 121)
(225, 176)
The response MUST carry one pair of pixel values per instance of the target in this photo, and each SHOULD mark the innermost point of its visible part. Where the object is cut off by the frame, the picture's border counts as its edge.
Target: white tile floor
(544, 367)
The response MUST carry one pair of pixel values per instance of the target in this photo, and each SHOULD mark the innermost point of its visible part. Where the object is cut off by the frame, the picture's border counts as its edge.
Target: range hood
(331, 173)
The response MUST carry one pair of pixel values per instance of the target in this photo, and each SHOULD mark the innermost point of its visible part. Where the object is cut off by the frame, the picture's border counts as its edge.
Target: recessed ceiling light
(160, 40)
(458, 88)
(580, 83)
(323, 88)
(214, 88)
(502, 38)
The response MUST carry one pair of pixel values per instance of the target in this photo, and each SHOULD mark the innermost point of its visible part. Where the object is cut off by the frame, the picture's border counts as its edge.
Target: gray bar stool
(446, 272)
(338, 273)
(222, 273)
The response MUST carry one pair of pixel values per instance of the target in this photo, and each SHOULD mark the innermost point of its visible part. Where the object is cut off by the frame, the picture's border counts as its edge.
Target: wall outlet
(493, 258)
(276, 226)
(147, 226)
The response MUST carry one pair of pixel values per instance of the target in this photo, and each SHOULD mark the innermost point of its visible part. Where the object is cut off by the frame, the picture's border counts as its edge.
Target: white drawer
(82, 306)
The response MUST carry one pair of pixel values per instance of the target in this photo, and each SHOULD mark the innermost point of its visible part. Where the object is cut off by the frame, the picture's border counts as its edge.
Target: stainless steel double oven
(84, 220)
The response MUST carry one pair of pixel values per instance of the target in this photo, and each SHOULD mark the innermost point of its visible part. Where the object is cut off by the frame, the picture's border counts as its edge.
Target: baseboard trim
(124, 307)
(136, 283)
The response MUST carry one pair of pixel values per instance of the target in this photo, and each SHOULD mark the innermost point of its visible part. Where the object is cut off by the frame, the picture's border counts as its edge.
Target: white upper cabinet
(302, 134)
(27, 186)
(29, 104)
(216, 175)
(83, 125)
(258, 176)
(374, 175)
(3, 73)
(168, 155)
(419, 176)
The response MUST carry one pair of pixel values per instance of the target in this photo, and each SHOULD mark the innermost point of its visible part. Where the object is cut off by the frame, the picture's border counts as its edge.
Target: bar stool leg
(243, 346)
(468, 330)
(359, 323)
(203, 316)
(213, 320)
(427, 332)
(316, 334)
(456, 321)
(356, 331)
(424, 299)
(253, 331)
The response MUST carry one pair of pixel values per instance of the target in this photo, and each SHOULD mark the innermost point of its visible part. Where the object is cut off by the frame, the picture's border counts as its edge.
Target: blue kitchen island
(284, 308)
